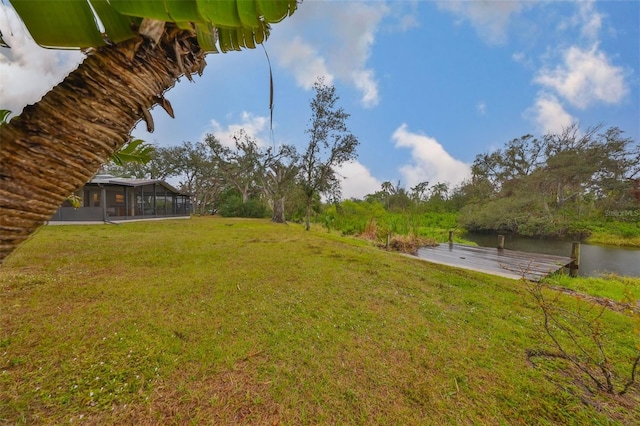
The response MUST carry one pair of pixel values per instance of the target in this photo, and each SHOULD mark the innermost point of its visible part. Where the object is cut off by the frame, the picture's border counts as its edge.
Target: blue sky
(428, 84)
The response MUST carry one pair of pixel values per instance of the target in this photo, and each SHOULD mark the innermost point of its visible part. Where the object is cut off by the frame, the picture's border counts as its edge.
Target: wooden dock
(502, 262)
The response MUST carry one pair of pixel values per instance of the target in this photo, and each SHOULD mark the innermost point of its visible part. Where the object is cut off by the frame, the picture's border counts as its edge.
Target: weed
(581, 341)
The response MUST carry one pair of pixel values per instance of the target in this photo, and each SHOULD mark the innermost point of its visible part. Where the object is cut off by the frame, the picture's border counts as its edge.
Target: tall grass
(228, 321)
(353, 218)
(611, 286)
(609, 232)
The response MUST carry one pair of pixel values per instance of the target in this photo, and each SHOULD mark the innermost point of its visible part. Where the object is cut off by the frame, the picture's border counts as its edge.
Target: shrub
(234, 207)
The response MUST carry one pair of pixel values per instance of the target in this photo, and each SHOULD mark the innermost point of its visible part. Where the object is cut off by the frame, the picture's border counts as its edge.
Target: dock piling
(500, 242)
(575, 255)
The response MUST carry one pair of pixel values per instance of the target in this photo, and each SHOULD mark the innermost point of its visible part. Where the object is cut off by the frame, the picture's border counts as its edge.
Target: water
(594, 260)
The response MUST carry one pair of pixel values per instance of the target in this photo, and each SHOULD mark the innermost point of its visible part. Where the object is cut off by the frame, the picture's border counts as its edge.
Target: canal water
(594, 260)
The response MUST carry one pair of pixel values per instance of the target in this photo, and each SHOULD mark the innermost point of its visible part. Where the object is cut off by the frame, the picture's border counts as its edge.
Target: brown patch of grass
(194, 395)
(410, 243)
(400, 243)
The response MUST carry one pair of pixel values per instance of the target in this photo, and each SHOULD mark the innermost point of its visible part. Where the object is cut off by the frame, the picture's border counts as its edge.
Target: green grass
(230, 321)
(612, 286)
(606, 238)
(612, 232)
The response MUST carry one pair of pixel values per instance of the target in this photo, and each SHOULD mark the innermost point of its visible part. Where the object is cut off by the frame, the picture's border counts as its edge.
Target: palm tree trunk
(56, 145)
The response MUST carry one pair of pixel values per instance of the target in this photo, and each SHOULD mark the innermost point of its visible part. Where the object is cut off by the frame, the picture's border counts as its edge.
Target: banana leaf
(80, 24)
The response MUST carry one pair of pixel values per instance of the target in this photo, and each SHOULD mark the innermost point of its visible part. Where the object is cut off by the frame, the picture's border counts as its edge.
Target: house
(106, 198)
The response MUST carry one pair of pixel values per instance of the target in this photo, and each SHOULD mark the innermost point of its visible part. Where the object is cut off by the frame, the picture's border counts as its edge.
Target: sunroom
(106, 198)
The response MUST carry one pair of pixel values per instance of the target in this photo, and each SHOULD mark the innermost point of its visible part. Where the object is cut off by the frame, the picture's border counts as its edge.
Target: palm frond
(4, 115)
(135, 151)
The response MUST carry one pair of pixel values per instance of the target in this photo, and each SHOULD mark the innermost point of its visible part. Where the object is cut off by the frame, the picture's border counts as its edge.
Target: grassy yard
(230, 321)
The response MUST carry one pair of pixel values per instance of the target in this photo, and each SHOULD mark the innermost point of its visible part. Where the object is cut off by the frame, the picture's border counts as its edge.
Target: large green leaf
(221, 13)
(207, 37)
(59, 23)
(248, 13)
(152, 9)
(118, 27)
(163, 10)
(71, 23)
(276, 10)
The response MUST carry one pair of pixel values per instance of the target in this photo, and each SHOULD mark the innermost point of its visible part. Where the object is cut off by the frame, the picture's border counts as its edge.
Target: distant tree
(376, 197)
(439, 191)
(589, 164)
(253, 170)
(240, 166)
(330, 145)
(518, 159)
(418, 192)
(162, 164)
(387, 189)
(400, 199)
(278, 178)
(199, 175)
(166, 163)
(569, 166)
(539, 187)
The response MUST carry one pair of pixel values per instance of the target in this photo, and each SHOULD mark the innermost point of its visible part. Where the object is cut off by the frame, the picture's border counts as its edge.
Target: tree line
(550, 186)
(247, 179)
(553, 186)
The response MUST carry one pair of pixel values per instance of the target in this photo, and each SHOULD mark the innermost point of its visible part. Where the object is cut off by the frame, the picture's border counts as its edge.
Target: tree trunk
(56, 145)
(308, 216)
(278, 211)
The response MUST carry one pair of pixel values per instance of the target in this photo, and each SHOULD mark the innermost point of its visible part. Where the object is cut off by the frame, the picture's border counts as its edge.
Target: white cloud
(402, 16)
(585, 77)
(430, 161)
(548, 114)
(365, 81)
(582, 78)
(482, 108)
(519, 57)
(587, 18)
(522, 59)
(304, 62)
(334, 40)
(590, 18)
(407, 22)
(256, 127)
(490, 18)
(28, 71)
(357, 180)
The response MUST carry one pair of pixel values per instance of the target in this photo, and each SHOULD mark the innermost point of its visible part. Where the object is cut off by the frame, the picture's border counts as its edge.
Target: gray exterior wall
(81, 214)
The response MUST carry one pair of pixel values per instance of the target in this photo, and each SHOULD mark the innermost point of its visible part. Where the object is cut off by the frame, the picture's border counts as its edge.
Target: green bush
(234, 207)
